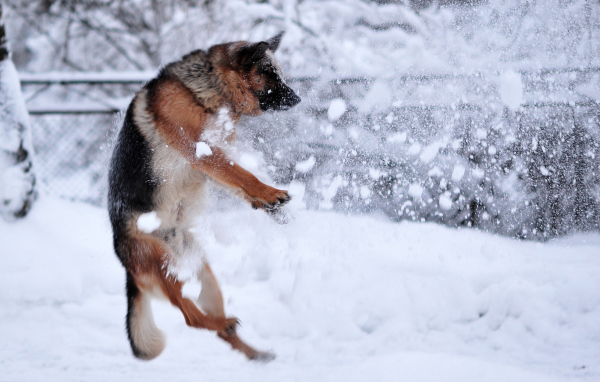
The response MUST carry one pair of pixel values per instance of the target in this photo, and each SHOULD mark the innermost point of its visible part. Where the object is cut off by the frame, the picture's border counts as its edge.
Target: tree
(17, 179)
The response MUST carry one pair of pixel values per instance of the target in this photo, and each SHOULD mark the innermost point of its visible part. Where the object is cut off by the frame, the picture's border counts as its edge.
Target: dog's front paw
(271, 199)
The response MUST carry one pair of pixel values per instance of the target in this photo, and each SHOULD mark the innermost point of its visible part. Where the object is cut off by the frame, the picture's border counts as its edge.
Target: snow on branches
(17, 180)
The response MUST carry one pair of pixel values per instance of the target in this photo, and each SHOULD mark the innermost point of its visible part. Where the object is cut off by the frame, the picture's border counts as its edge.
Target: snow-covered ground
(338, 298)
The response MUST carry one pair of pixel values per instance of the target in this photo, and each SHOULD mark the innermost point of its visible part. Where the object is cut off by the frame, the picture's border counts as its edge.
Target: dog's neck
(213, 88)
(196, 72)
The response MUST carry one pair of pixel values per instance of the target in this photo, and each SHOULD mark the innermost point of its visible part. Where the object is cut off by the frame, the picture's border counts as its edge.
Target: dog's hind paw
(263, 356)
(228, 327)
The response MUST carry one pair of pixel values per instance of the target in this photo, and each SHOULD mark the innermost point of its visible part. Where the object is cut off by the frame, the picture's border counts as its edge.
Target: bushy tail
(147, 341)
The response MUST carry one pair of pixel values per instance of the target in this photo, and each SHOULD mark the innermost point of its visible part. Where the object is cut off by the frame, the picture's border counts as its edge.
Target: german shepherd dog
(175, 135)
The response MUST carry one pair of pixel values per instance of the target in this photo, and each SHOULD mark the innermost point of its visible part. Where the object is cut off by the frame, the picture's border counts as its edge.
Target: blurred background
(481, 114)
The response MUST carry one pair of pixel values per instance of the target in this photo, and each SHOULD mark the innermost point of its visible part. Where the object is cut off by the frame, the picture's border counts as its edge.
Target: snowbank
(336, 297)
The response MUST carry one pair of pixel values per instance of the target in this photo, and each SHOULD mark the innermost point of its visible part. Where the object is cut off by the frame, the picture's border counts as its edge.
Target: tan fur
(149, 338)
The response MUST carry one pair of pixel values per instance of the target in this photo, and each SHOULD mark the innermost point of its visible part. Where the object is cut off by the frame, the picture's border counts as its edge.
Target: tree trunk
(17, 179)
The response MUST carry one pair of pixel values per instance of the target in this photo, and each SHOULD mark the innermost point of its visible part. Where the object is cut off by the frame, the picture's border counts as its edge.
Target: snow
(218, 130)
(329, 191)
(337, 297)
(306, 165)
(337, 108)
(202, 149)
(13, 109)
(148, 222)
(414, 148)
(376, 97)
(511, 90)
(430, 152)
(415, 190)
(87, 77)
(15, 184)
(250, 161)
(399, 137)
(458, 172)
(224, 119)
(445, 201)
(17, 178)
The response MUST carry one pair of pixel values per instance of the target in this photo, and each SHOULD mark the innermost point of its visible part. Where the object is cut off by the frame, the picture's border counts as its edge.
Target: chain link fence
(445, 149)
(72, 152)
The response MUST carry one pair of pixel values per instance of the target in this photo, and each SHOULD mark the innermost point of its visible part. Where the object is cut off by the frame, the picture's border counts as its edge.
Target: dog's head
(263, 76)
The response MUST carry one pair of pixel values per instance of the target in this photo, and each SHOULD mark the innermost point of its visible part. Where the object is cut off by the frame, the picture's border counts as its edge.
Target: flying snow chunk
(329, 192)
(414, 149)
(415, 190)
(511, 90)
(337, 108)
(202, 149)
(430, 152)
(307, 165)
(148, 222)
(478, 173)
(353, 133)
(458, 172)
(379, 96)
(397, 138)
(435, 171)
(390, 118)
(445, 201)
(249, 161)
(365, 192)
(224, 120)
(375, 173)
(191, 289)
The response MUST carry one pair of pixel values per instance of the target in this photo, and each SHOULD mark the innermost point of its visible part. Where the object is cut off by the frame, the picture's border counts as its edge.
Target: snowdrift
(336, 297)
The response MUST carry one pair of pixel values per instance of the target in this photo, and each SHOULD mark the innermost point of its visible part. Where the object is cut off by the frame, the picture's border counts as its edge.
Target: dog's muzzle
(281, 98)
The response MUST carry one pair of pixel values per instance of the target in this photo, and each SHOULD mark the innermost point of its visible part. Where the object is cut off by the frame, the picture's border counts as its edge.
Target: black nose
(280, 98)
(292, 99)
(289, 98)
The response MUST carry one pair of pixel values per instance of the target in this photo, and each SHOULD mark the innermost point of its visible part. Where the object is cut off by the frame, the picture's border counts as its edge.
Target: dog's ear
(275, 40)
(249, 54)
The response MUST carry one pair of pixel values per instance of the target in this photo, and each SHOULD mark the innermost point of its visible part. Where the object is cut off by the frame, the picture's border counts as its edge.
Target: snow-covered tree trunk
(17, 180)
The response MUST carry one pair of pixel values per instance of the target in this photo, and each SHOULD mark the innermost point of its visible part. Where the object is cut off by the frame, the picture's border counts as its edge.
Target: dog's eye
(266, 69)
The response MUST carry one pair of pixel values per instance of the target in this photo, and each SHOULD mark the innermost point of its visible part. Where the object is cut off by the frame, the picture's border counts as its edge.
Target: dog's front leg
(222, 169)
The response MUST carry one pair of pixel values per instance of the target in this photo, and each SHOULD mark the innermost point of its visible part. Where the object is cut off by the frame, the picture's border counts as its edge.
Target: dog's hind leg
(149, 276)
(211, 301)
(147, 341)
(171, 287)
